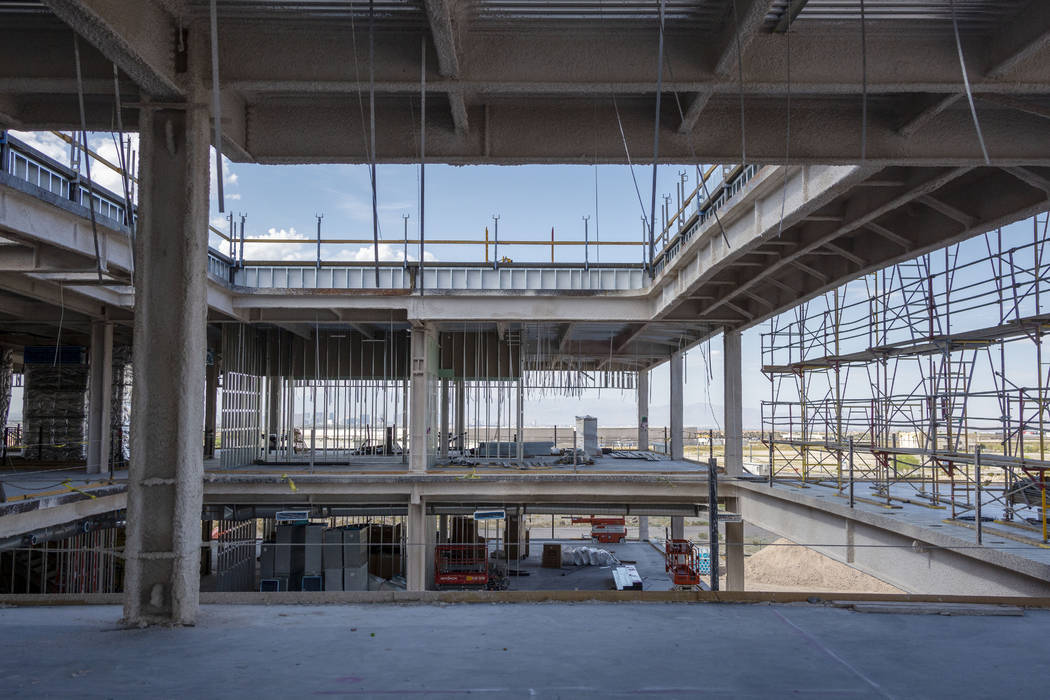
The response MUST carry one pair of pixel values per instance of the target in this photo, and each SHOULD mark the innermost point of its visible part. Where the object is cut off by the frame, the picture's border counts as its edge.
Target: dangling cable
(630, 165)
(966, 83)
(422, 157)
(864, 84)
(656, 142)
(787, 141)
(216, 105)
(372, 129)
(740, 87)
(123, 161)
(87, 156)
(692, 151)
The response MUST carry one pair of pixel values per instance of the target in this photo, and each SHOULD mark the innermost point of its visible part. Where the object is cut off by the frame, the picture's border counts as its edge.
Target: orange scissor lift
(681, 562)
(605, 530)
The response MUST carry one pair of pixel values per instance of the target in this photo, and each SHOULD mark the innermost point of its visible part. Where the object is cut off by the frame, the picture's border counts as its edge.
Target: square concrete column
(443, 447)
(734, 549)
(420, 534)
(677, 407)
(421, 418)
(211, 400)
(461, 414)
(643, 528)
(677, 527)
(100, 390)
(273, 409)
(165, 487)
(643, 409)
(734, 403)
(520, 422)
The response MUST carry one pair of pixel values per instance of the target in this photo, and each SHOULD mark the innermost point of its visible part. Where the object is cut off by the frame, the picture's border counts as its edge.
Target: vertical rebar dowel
(495, 242)
(586, 243)
(319, 217)
(712, 520)
(977, 477)
(404, 257)
(851, 472)
(243, 217)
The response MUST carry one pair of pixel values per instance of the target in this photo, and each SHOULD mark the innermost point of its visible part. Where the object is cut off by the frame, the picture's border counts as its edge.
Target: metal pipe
(656, 141)
(319, 217)
(977, 476)
(851, 499)
(586, 243)
(712, 520)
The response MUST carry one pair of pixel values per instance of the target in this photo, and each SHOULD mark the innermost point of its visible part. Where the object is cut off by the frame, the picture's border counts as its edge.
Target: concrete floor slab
(525, 650)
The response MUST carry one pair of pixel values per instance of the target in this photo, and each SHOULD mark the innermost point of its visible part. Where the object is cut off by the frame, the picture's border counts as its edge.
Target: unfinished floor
(524, 650)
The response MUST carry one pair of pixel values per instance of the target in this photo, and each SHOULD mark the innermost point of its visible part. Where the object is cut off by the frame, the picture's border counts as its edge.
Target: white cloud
(387, 253)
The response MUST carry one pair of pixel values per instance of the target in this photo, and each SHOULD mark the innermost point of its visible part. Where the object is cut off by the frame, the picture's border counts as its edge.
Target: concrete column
(165, 480)
(734, 403)
(424, 362)
(211, 400)
(273, 411)
(643, 409)
(417, 547)
(443, 448)
(677, 527)
(520, 422)
(461, 414)
(734, 547)
(7, 363)
(100, 403)
(404, 421)
(643, 528)
(289, 431)
(677, 407)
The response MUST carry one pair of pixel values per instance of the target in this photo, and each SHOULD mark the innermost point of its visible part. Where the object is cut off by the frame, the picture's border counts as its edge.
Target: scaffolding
(915, 378)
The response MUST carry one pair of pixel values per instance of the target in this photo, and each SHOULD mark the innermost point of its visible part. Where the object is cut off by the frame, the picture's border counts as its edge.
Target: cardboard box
(385, 564)
(551, 556)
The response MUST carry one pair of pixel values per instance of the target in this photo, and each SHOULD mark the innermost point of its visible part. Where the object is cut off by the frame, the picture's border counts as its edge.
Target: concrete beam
(909, 556)
(1024, 37)
(545, 129)
(444, 31)
(137, 35)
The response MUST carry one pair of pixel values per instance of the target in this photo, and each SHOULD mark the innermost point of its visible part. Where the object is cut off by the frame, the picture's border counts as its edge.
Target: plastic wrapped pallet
(588, 556)
(55, 411)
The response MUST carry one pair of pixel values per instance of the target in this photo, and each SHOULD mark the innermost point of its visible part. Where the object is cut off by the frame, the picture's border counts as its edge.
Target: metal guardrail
(26, 163)
(738, 178)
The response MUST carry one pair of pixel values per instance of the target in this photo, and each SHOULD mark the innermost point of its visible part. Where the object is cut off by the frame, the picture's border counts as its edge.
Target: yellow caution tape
(69, 486)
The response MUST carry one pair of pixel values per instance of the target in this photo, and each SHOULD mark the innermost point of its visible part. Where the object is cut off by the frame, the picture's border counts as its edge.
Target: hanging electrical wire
(99, 267)
(124, 161)
(656, 141)
(966, 83)
(422, 157)
(372, 130)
